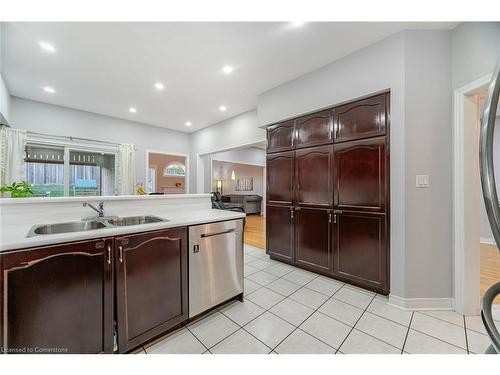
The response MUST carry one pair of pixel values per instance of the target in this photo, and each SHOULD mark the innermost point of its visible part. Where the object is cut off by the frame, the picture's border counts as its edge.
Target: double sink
(93, 224)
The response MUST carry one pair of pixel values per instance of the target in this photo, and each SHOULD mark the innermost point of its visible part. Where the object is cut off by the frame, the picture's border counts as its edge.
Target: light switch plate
(422, 181)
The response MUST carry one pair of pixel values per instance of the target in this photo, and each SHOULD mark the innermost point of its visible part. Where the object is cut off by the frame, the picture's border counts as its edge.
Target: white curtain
(12, 153)
(126, 169)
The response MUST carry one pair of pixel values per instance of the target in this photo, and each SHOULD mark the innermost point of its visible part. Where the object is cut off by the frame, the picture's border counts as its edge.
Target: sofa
(219, 205)
(251, 204)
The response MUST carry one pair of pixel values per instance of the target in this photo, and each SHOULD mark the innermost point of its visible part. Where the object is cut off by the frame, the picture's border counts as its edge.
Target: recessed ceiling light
(297, 24)
(188, 123)
(227, 69)
(47, 46)
(132, 110)
(223, 108)
(159, 86)
(49, 90)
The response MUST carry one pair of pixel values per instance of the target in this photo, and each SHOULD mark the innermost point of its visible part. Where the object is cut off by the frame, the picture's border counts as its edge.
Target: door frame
(186, 156)
(465, 246)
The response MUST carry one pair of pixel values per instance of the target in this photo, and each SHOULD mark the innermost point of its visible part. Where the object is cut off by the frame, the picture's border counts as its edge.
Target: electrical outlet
(422, 181)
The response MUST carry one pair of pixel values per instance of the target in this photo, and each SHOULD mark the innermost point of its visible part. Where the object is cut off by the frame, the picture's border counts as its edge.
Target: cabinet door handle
(329, 217)
(334, 219)
(120, 253)
(109, 254)
(291, 213)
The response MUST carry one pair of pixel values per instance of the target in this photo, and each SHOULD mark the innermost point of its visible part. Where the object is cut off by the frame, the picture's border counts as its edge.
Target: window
(90, 173)
(151, 181)
(174, 169)
(45, 170)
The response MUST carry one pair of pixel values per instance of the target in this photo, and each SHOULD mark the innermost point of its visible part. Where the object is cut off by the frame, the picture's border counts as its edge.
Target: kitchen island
(100, 290)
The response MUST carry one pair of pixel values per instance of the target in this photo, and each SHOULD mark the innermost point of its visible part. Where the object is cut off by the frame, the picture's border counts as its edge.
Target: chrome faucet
(99, 209)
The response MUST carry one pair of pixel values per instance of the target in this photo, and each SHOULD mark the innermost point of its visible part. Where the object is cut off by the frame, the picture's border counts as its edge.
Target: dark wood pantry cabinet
(328, 194)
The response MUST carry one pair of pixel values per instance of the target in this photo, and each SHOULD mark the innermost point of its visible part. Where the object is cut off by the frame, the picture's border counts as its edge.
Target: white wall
(475, 50)
(428, 150)
(222, 170)
(56, 120)
(4, 91)
(232, 133)
(377, 67)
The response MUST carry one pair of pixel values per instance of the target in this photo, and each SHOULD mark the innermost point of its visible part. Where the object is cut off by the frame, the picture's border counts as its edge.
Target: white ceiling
(108, 67)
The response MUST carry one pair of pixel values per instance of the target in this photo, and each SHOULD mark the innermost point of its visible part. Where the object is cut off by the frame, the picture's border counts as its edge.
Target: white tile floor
(289, 310)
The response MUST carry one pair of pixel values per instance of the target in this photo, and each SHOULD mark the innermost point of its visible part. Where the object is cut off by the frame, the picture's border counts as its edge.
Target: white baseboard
(421, 303)
(488, 241)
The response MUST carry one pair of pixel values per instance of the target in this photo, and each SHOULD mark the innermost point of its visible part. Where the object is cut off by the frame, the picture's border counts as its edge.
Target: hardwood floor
(255, 231)
(490, 268)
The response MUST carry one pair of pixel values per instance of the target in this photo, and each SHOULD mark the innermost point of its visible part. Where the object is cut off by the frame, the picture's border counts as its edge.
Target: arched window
(174, 169)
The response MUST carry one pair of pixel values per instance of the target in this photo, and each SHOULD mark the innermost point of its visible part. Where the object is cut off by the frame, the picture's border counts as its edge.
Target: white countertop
(14, 236)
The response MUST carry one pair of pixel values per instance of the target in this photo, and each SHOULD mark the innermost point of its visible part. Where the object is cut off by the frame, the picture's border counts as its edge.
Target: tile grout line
(407, 332)
(466, 338)
(292, 269)
(425, 312)
(329, 298)
(196, 337)
(242, 326)
(298, 327)
(286, 297)
(352, 328)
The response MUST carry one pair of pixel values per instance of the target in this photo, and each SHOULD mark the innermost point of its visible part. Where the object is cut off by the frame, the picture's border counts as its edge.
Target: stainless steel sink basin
(98, 223)
(77, 226)
(134, 220)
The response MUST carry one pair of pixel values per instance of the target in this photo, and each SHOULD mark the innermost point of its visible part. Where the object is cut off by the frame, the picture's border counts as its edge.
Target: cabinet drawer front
(312, 238)
(280, 137)
(360, 249)
(59, 297)
(360, 175)
(362, 119)
(313, 176)
(315, 129)
(279, 224)
(280, 178)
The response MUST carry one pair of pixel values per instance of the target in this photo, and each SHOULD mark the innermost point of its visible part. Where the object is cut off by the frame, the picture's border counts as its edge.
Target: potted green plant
(18, 189)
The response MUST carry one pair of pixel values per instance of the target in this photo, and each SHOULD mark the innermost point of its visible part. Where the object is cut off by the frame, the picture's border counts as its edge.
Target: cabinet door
(360, 175)
(315, 129)
(280, 137)
(312, 238)
(279, 229)
(360, 250)
(151, 284)
(361, 119)
(314, 176)
(58, 298)
(280, 178)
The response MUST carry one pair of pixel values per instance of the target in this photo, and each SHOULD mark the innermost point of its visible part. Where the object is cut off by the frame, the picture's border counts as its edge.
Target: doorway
(238, 176)
(166, 173)
(477, 262)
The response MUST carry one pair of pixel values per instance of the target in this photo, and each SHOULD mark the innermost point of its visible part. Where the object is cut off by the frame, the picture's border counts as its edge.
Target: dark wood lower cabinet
(66, 298)
(312, 238)
(279, 224)
(58, 299)
(360, 249)
(151, 285)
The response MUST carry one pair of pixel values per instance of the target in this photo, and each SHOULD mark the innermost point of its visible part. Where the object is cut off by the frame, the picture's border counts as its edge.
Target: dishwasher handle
(205, 235)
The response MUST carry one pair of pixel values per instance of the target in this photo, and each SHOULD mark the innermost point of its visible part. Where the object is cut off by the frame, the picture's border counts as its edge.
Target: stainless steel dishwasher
(215, 264)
